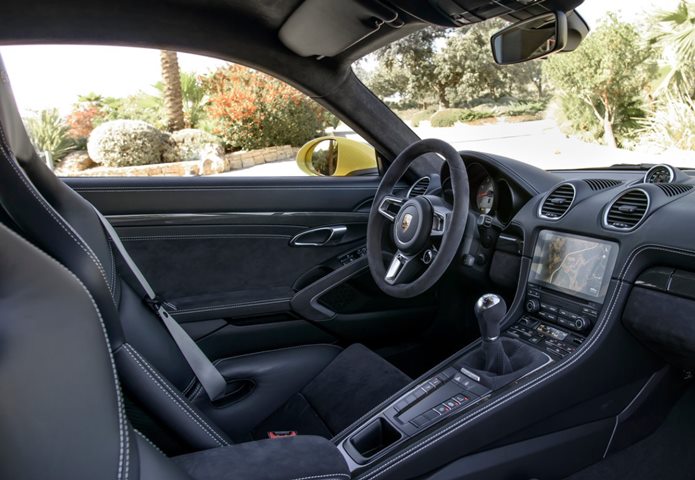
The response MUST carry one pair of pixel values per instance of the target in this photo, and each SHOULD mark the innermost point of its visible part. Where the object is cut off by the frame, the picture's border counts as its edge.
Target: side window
(141, 112)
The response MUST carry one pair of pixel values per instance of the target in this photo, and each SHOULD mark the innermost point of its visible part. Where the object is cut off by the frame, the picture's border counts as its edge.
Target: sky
(53, 76)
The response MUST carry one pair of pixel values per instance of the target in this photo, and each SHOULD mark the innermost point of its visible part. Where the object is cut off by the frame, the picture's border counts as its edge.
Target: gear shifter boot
(496, 359)
(503, 361)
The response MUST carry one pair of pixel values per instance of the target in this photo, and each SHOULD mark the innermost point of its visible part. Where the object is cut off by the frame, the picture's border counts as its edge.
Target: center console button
(442, 409)
(532, 305)
(452, 404)
(427, 387)
(436, 382)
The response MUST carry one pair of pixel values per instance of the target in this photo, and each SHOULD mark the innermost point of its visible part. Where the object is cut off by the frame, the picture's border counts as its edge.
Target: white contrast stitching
(434, 438)
(55, 216)
(124, 447)
(325, 475)
(178, 402)
(142, 435)
(211, 236)
(230, 305)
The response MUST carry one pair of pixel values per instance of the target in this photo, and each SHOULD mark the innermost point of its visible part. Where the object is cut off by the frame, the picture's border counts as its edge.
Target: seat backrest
(63, 224)
(61, 411)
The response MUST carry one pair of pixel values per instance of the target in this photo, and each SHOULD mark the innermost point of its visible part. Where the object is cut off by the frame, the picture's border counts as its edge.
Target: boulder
(194, 144)
(75, 162)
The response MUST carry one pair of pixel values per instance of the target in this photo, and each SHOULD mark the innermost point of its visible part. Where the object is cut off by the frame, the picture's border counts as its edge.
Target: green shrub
(421, 116)
(122, 143)
(524, 108)
(469, 115)
(446, 118)
(251, 110)
(49, 133)
(672, 124)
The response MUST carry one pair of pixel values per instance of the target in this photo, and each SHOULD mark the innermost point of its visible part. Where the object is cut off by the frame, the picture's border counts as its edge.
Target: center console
(564, 295)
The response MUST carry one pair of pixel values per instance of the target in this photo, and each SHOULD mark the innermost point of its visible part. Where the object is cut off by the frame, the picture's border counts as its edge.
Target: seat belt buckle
(154, 303)
(282, 434)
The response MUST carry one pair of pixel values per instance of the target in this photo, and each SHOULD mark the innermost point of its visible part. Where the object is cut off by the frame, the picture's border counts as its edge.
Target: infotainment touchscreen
(579, 266)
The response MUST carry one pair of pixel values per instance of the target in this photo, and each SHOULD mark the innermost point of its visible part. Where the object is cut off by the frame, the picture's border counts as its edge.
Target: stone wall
(207, 166)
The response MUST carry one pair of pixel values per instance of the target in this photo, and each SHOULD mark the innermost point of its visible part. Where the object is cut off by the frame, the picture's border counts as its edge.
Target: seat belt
(207, 374)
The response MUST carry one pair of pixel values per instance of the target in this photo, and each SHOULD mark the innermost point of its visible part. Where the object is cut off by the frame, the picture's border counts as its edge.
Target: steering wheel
(419, 224)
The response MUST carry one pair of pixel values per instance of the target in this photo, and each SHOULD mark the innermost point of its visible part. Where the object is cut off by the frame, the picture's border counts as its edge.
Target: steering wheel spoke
(390, 206)
(441, 216)
(403, 268)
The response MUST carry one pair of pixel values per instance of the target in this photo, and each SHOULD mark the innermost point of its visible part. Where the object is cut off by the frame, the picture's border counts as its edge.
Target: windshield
(625, 96)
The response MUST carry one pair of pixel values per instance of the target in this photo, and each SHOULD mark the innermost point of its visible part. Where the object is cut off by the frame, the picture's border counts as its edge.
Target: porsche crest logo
(405, 222)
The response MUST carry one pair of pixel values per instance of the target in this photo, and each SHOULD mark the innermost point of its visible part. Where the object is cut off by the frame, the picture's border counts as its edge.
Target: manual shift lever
(490, 309)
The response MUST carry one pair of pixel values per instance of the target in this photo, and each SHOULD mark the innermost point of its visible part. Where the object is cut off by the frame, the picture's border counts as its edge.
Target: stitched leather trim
(124, 437)
(49, 209)
(545, 376)
(325, 476)
(173, 396)
(230, 306)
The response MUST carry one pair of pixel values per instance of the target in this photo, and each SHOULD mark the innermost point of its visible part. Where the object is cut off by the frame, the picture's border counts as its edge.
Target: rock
(121, 143)
(193, 144)
(75, 162)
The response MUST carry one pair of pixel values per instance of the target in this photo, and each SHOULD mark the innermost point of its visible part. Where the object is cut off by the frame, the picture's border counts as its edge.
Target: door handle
(319, 237)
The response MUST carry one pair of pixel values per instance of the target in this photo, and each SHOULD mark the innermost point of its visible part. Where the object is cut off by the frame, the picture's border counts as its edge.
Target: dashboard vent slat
(597, 184)
(674, 189)
(419, 187)
(557, 202)
(628, 210)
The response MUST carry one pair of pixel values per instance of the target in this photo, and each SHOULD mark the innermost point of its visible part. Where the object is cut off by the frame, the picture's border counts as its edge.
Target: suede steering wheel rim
(418, 223)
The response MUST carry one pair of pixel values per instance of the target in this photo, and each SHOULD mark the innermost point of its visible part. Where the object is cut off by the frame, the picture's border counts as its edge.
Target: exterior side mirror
(336, 157)
(535, 37)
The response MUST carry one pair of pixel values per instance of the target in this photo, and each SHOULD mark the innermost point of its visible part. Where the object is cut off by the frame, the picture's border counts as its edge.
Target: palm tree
(677, 36)
(173, 100)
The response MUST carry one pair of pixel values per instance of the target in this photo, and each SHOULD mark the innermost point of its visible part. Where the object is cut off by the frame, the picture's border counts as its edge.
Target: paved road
(539, 143)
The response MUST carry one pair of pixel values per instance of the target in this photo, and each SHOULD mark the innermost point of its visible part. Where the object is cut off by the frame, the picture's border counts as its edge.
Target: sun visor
(12, 125)
(326, 28)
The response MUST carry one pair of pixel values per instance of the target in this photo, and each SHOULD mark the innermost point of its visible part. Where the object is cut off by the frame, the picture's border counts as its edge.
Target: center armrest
(279, 459)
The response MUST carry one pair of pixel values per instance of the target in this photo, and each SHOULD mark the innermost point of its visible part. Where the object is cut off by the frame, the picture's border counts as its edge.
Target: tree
(414, 56)
(676, 34)
(173, 98)
(602, 83)
(193, 98)
(466, 69)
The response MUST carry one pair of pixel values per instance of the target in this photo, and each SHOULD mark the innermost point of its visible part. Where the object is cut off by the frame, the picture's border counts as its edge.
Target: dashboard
(633, 221)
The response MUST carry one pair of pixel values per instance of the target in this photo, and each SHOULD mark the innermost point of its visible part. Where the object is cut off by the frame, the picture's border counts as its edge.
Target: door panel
(220, 252)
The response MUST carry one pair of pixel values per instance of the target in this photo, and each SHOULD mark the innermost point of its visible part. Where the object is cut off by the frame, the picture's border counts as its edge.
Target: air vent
(557, 202)
(674, 189)
(628, 210)
(597, 184)
(419, 187)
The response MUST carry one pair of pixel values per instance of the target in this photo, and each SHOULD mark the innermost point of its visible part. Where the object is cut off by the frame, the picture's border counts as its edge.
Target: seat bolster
(165, 403)
(153, 465)
(290, 458)
(275, 375)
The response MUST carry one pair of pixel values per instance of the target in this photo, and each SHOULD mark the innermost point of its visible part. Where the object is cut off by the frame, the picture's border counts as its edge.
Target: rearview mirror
(336, 157)
(535, 37)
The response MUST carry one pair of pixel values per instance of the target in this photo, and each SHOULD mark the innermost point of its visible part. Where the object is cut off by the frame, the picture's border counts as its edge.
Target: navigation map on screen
(572, 264)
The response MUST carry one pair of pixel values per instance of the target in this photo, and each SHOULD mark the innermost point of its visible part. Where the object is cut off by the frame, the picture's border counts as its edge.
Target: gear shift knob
(489, 310)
